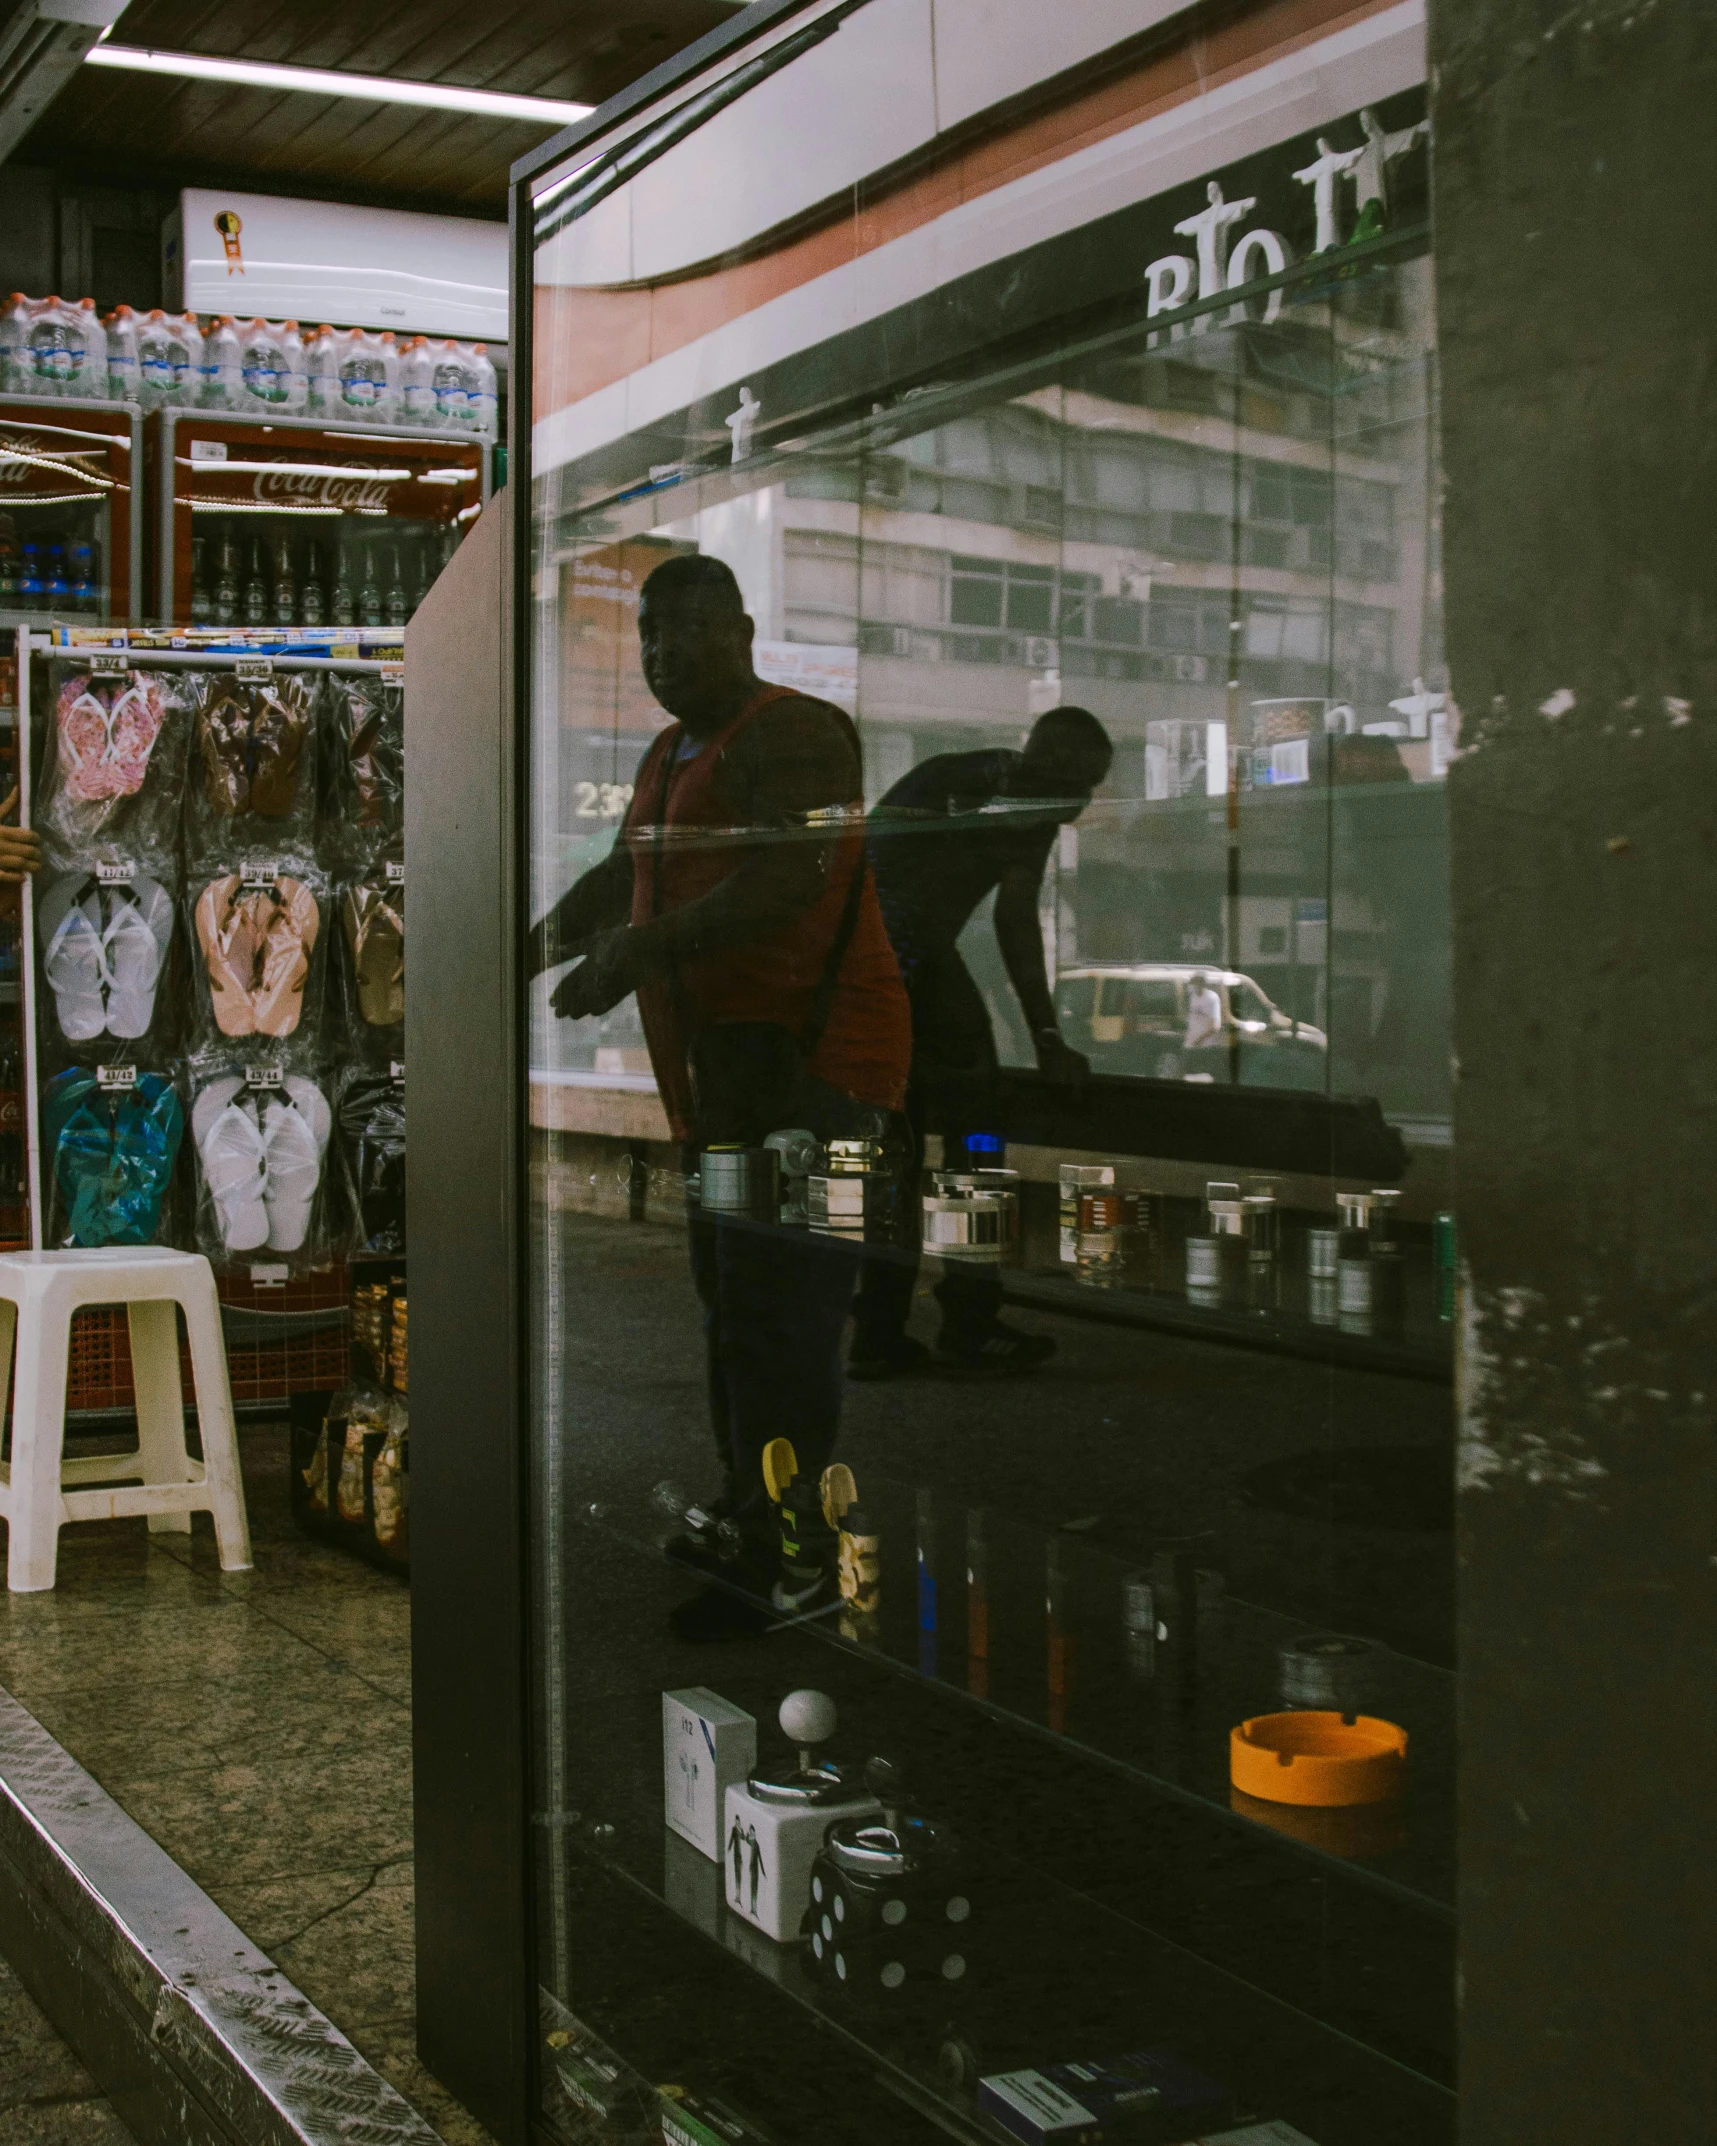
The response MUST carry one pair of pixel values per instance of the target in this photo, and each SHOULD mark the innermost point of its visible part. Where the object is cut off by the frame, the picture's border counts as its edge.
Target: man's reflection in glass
(770, 998)
(957, 827)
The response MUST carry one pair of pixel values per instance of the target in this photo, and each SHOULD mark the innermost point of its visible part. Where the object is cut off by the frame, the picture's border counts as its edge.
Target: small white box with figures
(707, 1746)
(767, 1853)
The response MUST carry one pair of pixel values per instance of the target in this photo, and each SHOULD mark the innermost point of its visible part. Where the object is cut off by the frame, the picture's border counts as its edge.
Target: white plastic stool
(39, 1291)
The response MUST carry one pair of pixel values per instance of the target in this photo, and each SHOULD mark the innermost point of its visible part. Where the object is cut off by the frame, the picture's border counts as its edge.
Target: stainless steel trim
(194, 2033)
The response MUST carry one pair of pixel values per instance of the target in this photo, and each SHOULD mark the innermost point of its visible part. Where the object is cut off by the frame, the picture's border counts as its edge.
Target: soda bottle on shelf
(370, 595)
(226, 583)
(417, 383)
(221, 375)
(202, 596)
(85, 593)
(256, 589)
(322, 372)
(394, 608)
(345, 604)
(311, 609)
(124, 381)
(452, 388)
(8, 565)
(483, 392)
(30, 577)
(55, 586)
(285, 583)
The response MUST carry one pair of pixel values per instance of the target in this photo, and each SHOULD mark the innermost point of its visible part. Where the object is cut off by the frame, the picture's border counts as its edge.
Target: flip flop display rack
(212, 967)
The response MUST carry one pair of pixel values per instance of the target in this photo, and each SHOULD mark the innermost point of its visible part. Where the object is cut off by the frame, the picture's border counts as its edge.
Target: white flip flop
(72, 959)
(136, 940)
(230, 1146)
(295, 1133)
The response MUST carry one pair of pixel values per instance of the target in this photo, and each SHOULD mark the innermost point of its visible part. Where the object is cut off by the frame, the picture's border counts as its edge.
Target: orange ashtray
(1327, 1759)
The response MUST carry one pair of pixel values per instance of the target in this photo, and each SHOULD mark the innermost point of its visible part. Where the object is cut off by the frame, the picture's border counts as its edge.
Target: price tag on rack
(108, 664)
(116, 875)
(111, 1079)
(258, 873)
(253, 670)
(264, 1077)
(395, 872)
(396, 1071)
(393, 674)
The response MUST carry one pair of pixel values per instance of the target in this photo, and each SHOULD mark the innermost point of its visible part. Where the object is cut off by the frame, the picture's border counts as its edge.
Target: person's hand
(20, 847)
(1059, 1061)
(601, 980)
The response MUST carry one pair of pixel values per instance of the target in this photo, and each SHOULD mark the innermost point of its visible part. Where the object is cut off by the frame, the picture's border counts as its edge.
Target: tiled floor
(46, 2096)
(258, 1725)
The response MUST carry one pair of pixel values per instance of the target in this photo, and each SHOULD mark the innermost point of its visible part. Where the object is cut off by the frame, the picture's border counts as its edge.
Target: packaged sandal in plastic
(258, 937)
(261, 1133)
(104, 938)
(111, 773)
(110, 1139)
(365, 727)
(370, 1114)
(372, 916)
(253, 775)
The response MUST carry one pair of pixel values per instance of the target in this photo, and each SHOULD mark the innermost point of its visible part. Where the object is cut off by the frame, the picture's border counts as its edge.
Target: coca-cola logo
(27, 460)
(351, 493)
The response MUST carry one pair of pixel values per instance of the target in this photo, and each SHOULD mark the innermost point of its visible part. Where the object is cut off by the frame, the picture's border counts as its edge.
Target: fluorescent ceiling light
(336, 82)
(298, 469)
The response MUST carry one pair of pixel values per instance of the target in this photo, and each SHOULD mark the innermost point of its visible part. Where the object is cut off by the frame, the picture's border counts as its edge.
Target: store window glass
(991, 1289)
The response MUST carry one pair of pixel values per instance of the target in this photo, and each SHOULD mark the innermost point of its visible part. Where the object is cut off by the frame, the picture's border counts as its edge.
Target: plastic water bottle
(417, 383)
(88, 340)
(124, 382)
(452, 385)
(363, 375)
(14, 338)
(388, 406)
(293, 378)
(186, 341)
(155, 359)
(483, 392)
(322, 372)
(52, 358)
(264, 363)
(221, 375)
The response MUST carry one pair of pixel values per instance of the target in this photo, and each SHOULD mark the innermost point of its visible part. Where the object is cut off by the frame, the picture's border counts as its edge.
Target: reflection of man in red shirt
(737, 904)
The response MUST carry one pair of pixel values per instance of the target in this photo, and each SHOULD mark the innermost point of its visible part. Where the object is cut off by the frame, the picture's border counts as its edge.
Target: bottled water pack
(52, 346)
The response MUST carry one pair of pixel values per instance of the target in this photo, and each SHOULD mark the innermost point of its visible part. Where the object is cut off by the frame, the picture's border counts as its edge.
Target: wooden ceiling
(114, 128)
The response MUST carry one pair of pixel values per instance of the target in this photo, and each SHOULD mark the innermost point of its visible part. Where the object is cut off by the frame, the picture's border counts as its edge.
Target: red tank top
(866, 1045)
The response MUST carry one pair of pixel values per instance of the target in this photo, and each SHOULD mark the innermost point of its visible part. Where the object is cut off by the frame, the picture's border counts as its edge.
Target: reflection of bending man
(770, 998)
(954, 829)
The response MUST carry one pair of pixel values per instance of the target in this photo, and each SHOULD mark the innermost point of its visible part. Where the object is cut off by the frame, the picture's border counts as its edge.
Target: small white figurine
(743, 423)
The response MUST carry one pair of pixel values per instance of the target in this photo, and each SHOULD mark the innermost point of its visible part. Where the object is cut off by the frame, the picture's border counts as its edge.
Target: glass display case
(71, 520)
(990, 1274)
(302, 523)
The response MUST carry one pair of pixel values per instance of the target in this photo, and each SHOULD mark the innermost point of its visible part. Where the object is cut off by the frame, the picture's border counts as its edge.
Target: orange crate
(261, 1366)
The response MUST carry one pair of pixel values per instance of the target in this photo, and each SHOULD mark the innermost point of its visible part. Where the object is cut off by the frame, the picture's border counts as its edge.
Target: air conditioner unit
(324, 260)
(42, 44)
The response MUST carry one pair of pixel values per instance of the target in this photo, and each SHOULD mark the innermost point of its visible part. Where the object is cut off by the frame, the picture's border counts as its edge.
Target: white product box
(707, 1746)
(767, 1853)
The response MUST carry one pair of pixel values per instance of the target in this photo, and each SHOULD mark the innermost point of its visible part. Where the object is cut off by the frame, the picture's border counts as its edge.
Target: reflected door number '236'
(602, 800)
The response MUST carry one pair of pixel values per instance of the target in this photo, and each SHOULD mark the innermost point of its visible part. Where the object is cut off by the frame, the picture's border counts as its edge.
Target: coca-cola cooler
(71, 529)
(295, 523)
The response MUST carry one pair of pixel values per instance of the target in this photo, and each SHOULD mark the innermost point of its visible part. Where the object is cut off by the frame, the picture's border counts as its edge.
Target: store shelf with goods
(215, 973)
(303, 522)
(72, 527)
